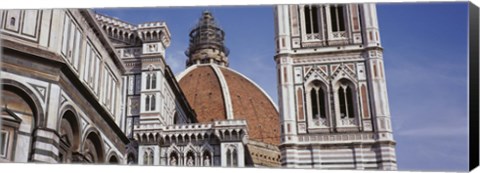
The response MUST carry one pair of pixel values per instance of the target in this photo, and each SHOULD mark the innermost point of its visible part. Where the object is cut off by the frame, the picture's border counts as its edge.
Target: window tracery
(232, 157)
(346, 102)
(317, 103)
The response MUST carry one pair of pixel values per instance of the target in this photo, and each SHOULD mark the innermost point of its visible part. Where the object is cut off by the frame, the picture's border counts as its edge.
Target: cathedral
(83, 87)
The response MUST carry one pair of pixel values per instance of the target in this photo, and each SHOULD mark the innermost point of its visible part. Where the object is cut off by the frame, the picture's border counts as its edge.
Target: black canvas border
(474, 128)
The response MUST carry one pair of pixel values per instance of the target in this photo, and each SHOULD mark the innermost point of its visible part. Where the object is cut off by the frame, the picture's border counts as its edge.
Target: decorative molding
(41, 91)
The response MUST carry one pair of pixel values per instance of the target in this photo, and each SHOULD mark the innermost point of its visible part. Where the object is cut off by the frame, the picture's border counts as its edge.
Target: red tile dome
(219, 93)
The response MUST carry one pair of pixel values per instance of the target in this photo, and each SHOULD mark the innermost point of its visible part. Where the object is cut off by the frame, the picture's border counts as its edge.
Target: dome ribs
(203, 88)
(251, 104)
(204, 94)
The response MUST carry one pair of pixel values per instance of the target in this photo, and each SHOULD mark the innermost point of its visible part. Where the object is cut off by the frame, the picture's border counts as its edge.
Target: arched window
(154, 81)
(147, 103)
(152, 106)
(145, 158)
(345, 95)
(312, 23)
(337, 18)
(229, 158)
(150, 158)
(314, 98)
(349, 95)
(234, 158)
(318, 103)
(148, 81)
(346, 100)
(343, 103)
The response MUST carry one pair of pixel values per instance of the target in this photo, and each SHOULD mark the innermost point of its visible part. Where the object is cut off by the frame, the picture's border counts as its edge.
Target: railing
(339, 35)
(348, 122)
(314, 36)
(321, 122)
(337, 137)
(230, 122)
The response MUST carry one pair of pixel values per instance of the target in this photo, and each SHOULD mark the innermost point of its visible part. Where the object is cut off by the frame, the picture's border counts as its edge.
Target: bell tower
(332, 89)
(207, 43)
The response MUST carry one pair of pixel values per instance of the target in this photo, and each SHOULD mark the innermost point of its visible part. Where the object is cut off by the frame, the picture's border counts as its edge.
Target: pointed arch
(316, 94)
(148, 156)
(154, 81)
(229, 158)
(147, 79)
(113, 158)
(153, 103)
(147, 102)
(346, 101)
(234, 157)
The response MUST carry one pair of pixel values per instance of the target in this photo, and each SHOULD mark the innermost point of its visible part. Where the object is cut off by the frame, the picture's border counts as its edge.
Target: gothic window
(313, 96)
(232, 157)
(150, 158)
(152, 101)
(148, 81)
(147, 103)
(346, 102)
(154, 81)
(145, 158)
(317, 97)
(229, 158)
(337, 18)
(312, 23)
(318, 103)
(151, 81)
(12, 21)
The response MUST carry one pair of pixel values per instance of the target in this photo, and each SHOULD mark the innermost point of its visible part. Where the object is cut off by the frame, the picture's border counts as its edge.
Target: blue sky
(425, 54)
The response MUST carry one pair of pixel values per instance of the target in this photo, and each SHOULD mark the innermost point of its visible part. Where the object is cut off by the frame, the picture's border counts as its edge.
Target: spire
(207, 43)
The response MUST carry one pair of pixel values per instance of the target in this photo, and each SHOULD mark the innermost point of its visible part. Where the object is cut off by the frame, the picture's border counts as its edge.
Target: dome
(217, 92)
